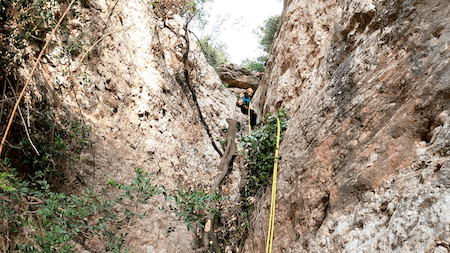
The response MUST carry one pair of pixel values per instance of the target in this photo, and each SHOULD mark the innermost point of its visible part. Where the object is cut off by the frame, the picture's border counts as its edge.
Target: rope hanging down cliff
(274, 193)
(275, 169)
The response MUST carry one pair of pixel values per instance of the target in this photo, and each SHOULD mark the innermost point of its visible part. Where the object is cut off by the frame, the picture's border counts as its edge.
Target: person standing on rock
(244, 102)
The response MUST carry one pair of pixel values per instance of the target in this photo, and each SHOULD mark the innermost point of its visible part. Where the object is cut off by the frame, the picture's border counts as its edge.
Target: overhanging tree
(266, 32)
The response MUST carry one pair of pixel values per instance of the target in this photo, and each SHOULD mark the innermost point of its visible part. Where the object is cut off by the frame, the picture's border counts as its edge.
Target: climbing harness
(274, 191)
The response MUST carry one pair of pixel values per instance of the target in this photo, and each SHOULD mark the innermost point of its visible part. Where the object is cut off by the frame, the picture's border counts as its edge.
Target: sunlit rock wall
(364, 162)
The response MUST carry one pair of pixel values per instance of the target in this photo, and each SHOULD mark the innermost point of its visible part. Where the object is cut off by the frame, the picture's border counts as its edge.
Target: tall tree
(266, 32)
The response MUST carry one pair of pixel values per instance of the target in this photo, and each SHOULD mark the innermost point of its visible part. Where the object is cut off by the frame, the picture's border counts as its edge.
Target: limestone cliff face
(132, 92)
(364, 163)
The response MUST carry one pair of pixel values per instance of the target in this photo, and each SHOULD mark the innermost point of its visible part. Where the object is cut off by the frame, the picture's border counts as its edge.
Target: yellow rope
(274, 184)
(274, 191)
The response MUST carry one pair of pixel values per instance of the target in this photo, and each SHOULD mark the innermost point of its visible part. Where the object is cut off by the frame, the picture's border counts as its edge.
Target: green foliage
(74, 47)
(260, 150)
(188, 9)
(197, 9)
(86, 80)
(255, 65)
(266, 32)
(190, 205)
(55, 220)
(4, 183)
(57, 141)
(222, 141)
(140, 190)
(214, 53)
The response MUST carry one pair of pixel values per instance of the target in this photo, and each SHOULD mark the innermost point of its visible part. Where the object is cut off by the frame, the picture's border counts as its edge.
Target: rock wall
(364, 162)
(132, 92)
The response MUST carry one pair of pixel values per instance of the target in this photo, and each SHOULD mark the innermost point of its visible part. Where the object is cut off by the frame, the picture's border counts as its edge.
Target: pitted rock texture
(367, 83)
(239, 77)
(131, 91)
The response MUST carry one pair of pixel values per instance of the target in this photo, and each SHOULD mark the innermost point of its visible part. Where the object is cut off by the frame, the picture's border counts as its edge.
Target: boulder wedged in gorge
(239, 77)
(364, 162)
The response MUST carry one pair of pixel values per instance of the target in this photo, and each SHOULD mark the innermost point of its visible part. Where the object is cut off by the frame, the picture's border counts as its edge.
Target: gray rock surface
(131, 91)
(364, 160)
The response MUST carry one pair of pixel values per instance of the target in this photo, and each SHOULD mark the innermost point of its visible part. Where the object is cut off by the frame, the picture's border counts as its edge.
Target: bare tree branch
(24, 123)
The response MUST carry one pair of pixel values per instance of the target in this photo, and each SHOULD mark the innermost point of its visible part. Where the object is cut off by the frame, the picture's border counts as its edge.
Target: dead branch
(28, 113)
(8, 99)
(27, 132)
(37, 201)
(209, 238)
(3, 95)
(24, 123)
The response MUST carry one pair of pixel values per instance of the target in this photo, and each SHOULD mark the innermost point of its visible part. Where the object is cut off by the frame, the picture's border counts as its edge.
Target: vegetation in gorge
(36, 218)
(43, 204)
(259, 150)
(188, 9)
(45, 207)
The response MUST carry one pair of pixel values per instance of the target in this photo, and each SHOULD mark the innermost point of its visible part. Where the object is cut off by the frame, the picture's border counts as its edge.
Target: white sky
(239, 38)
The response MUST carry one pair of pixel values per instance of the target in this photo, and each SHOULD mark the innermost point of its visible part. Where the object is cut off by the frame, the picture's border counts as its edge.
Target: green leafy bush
(54, 220)
(4, 183)
(140, 190)
(266, 34)
(26, 22)
(190, 205)
(259, 148)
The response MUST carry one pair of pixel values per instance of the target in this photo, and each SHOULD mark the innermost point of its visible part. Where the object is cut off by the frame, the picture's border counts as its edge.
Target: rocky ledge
(239, 77)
